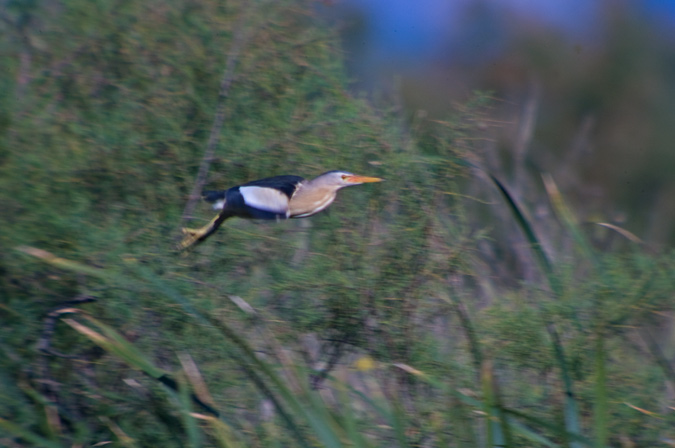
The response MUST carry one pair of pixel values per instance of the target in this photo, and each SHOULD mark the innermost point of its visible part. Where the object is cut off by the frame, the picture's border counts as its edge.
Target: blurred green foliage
(105, 112)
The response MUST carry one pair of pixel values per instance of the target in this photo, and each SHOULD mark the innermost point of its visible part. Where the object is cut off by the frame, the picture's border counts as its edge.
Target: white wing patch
(267, 199)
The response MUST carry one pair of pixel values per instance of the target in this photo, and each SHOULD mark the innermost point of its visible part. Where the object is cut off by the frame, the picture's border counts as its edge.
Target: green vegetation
(430, 310)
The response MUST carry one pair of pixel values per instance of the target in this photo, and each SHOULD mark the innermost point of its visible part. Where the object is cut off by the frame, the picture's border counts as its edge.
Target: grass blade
(189, 422)
(222, 433)
(467, 326)
(114, 343)
(350, 423)
(568, 219)
(499, 432)
(258, 370)
(600, 408)
(63, 263)
(31, 437)
(398, 422)
(530, 434)
(571, 408)
(621, 231)
(554, 428)
(519, 428)
(122, 436)
(111, 341)
(544, 263)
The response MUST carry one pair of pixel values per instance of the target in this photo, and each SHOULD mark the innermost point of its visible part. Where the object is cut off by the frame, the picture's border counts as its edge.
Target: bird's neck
(311, 198)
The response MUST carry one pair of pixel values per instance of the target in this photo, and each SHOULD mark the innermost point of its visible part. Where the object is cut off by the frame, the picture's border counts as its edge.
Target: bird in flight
(279, 197)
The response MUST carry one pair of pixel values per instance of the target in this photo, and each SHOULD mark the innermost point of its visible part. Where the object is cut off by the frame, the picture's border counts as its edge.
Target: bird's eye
(344, 176)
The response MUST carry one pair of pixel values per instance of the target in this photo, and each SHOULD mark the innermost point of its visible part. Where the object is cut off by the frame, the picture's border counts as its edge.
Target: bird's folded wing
(265, 199)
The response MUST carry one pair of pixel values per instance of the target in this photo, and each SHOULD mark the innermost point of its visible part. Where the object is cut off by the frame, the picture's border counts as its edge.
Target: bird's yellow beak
(362, 179)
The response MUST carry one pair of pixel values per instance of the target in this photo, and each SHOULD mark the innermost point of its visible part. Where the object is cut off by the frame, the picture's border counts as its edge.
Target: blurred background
(583, 89)
(405, 314)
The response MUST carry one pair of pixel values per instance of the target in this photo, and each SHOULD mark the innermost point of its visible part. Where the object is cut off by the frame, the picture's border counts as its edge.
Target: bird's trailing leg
(194, 236)
(191, 232)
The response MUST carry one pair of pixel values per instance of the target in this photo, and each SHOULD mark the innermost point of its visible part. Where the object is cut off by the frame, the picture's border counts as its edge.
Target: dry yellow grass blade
(623, 232)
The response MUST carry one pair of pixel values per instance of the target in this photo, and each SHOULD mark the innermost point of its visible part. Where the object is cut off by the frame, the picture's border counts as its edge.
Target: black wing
(259, 199)
(264, 198)
(285, 184)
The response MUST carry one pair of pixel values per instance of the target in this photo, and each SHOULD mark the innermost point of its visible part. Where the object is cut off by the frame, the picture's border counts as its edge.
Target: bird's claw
(192, 236)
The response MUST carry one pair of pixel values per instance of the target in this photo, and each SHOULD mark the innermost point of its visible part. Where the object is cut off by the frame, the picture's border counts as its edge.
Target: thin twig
(219, 119)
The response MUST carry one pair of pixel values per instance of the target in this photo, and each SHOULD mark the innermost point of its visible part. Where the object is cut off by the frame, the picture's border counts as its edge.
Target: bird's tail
(217, 198)
(195, 236)
(213, 195)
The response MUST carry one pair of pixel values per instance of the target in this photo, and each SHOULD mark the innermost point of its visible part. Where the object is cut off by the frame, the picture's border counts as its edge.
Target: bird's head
(340, 179)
